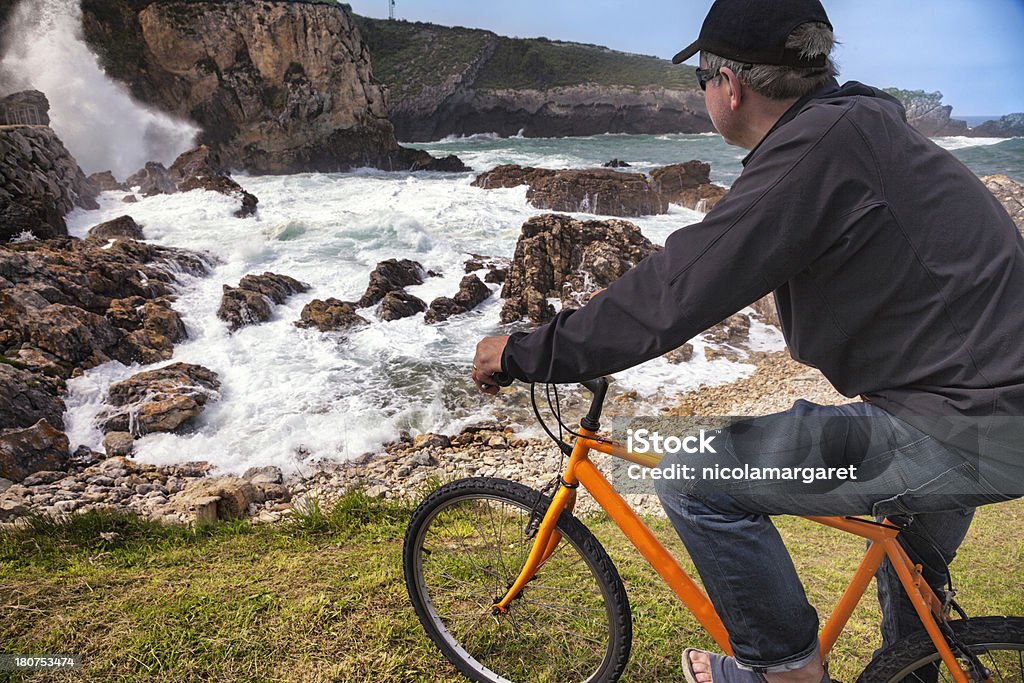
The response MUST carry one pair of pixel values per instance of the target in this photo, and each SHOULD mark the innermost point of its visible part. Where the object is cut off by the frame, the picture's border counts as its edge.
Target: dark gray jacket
(896, 272)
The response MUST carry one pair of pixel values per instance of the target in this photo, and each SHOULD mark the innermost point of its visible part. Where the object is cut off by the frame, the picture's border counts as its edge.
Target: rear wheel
(997, 641)
(463, 550)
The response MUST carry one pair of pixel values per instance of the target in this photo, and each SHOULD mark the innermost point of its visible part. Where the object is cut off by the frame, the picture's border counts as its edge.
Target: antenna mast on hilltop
(391, 10)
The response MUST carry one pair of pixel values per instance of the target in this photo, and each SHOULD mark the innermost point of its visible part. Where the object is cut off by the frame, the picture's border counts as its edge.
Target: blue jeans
(746, 570)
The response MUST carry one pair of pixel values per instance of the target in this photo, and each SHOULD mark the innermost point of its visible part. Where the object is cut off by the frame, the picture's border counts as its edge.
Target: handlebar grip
(502, 379)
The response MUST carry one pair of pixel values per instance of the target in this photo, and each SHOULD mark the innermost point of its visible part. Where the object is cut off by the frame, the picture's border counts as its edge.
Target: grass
(322, 598)
(411, 58)
(541, 64)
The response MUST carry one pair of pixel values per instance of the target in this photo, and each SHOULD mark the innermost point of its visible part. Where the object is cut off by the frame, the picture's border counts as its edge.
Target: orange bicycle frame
(882, 537)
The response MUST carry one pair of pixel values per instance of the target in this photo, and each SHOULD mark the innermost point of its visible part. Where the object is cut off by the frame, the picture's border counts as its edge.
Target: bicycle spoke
(465, 552)
(497, 535)
(993, 666)
(556, 630)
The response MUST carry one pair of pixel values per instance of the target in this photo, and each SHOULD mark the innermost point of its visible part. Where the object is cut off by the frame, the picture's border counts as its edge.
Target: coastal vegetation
(541, 63)
(321, 597)
(408, 56)
(933, 98)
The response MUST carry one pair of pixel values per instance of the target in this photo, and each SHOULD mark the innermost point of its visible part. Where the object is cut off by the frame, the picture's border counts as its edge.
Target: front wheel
(997, 641)
(463, 550)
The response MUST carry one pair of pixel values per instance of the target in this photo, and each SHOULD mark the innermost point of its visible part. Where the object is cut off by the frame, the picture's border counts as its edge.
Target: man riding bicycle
(895, 273)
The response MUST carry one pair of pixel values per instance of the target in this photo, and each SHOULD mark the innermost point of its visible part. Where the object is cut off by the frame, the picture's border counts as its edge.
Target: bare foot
(701, 666)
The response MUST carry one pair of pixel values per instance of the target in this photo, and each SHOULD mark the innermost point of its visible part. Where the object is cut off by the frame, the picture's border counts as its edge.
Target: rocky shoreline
(404, 470)
(109, 297)
(69, 305)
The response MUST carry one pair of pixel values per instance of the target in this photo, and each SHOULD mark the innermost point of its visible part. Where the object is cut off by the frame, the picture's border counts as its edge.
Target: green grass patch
(322, 597)
(410, 57)
(540, 64)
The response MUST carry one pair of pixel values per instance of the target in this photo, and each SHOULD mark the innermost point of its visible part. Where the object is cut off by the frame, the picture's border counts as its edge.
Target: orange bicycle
(511, 586)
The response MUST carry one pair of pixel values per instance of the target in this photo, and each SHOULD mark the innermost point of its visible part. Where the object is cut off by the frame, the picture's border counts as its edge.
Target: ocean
(292, 397)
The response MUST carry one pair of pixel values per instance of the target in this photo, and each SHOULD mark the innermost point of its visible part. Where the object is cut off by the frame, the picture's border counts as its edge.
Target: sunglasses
(704, 76)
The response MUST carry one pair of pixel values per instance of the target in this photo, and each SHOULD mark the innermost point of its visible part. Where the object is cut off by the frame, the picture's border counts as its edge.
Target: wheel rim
(1005, 662)
(559, 629)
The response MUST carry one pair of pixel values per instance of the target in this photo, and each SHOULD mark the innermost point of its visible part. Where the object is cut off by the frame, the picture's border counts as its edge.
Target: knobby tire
(463, 549)
(998, 642)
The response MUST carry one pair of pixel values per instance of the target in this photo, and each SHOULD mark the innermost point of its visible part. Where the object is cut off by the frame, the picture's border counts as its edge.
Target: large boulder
(122, 227)
(152, 329)
(330, 315)
(472, 292)
(38, 448)
(196, 169)
(275, 287)
(201, 169)
(80, 338)
(40, 182)
(226, 186)
(400, 304)
(510, 175)
(27, 397)
(734, 331)
(76, 303)
(153, 179)
(559, 256)
(599, 191)
(218, 498)
(688, 184)
(1010, 194)
(1009, 126)
(87, 274)
(250, 302)
(159, 400)
(391, 276)
(104, 181)
(765, 307)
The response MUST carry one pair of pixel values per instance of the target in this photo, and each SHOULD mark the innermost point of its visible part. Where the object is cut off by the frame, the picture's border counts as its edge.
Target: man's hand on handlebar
(487, 363)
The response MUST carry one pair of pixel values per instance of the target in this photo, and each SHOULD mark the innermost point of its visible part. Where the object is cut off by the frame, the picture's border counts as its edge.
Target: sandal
(725, 670)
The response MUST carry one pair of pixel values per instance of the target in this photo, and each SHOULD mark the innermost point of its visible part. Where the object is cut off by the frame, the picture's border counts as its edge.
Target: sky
(972, 51)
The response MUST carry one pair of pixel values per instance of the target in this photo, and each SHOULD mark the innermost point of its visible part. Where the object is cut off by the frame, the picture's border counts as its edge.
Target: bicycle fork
(546, 538)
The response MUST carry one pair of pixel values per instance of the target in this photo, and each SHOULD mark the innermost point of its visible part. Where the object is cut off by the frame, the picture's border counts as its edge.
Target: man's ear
(735, 85)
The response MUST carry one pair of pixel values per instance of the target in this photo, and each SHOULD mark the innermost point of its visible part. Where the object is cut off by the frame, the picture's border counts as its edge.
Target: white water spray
(98, 121)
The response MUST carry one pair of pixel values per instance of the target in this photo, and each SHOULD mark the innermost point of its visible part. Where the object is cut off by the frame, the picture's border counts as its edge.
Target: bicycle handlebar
(502, 379)
(598, 387)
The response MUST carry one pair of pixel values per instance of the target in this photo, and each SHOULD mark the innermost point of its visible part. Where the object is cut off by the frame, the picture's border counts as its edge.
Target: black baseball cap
(755, 31)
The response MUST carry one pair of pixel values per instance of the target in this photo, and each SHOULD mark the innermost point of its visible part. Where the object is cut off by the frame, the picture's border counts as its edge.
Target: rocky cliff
(926, 113)
(39, 179)
(443, 81)
(1009, 126)
(277, 86)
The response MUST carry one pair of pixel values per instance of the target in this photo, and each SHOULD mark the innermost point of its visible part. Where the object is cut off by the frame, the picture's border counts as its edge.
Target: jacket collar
(791, 113)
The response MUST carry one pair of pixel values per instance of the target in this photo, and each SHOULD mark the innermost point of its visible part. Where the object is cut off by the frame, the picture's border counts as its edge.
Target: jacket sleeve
(773, 223)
